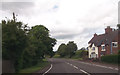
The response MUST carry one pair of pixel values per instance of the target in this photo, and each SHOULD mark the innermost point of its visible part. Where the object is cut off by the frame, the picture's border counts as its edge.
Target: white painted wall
(90, 50)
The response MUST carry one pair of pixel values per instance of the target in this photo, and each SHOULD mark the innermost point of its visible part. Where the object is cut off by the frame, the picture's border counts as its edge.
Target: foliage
(119, 52)
(80, 54)
(71, 48)
(39, 45)
(62, 50)
(83, 48)
(56, 56)
(118, 25)
(25, 46)
(110, 58)
(67, 50)
(40, 65)
(13, 41)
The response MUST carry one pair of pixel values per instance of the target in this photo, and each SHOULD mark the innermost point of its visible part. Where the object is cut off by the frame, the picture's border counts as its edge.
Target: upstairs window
(114, 44)
(93, 48)
(103, 48)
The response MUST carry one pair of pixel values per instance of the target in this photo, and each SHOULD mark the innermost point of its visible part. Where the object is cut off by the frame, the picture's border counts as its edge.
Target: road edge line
(48, 69)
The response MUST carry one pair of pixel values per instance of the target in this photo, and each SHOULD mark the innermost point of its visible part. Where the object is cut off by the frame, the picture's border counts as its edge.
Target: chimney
(108, 30)
(95, 35)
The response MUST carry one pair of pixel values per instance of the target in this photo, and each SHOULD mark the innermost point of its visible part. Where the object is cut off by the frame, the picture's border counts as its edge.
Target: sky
(67, 20)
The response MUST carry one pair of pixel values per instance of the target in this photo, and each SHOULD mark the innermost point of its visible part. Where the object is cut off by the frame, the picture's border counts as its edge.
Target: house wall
(107, 50)
(115, 49)
(90, 50)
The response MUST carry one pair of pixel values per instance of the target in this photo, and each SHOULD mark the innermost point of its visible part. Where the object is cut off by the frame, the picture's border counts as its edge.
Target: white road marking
(71, 64)
(110, 67)
(116, 68)
(99, 66)
(77, 68)
(48, 70)
(84, 72)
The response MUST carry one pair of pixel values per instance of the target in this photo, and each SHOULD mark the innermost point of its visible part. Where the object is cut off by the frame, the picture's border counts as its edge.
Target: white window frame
(102, 47)
(115, 43)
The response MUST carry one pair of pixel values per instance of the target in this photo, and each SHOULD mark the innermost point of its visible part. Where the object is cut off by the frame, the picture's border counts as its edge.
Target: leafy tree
(83, 48)
(50, 42)
(13, 41)
(39, 44)
(71, 48)
(118, 25)
(25, 46)
(84, 54)
(67, 50)
(41, 34)
(62, 50)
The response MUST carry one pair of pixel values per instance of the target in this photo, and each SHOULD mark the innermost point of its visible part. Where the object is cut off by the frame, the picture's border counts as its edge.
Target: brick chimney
(108, 30)
(95, 35)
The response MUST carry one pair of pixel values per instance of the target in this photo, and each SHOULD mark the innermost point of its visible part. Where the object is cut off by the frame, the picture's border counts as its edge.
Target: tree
(39, 44)
(13, 41)
(71, 48)
(25, 46)
(62, 50)
(118, 25)
(83, 48)
(41, 34)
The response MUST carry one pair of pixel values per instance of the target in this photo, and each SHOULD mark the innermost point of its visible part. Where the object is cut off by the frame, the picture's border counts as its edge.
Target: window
(93, 48)
(103, 48)
(114, 44)
(102, 55)
(93, 55)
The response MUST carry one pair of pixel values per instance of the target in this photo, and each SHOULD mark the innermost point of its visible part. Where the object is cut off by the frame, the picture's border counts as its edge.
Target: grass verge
(35, 68)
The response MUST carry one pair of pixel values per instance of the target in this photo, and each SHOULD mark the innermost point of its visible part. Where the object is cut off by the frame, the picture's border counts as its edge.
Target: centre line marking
(77, 68)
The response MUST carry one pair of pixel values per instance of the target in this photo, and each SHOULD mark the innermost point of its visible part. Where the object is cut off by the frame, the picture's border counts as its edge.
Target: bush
(119, 52)
(110, 58)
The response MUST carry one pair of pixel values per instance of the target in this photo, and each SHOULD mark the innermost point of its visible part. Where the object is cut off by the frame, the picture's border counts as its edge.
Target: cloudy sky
(67, 20)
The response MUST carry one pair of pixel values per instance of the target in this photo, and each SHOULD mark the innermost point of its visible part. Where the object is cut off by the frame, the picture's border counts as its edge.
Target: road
(73, 67)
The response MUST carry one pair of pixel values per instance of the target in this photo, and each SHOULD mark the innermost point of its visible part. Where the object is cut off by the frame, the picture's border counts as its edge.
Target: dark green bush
(110, 58)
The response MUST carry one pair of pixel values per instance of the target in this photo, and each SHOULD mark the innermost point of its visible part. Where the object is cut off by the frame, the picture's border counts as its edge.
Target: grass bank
(35, 68)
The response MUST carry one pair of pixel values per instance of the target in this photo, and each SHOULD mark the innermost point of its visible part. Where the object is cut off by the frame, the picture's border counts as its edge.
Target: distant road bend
(72, 67)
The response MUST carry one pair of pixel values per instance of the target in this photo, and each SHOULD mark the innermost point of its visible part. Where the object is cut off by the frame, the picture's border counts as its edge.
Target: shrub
(110, 58)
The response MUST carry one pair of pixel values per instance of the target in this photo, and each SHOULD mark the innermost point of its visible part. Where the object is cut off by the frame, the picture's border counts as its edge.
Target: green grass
(35, 68)
(56, 56)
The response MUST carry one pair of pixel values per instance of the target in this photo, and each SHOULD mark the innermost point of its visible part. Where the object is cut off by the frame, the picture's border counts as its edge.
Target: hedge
(114, 58)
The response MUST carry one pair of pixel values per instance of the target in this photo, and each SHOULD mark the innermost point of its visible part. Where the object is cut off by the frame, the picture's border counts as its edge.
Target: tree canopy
(23, 45)
(67, 50)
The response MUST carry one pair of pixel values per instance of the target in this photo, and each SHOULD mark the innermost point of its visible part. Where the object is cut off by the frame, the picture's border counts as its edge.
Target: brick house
(104, 44)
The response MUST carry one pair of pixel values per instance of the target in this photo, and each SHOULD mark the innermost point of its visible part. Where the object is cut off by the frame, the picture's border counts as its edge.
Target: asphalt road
(72, 67)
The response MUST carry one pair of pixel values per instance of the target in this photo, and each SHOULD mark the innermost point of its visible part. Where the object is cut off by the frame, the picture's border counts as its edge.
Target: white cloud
(70, 20)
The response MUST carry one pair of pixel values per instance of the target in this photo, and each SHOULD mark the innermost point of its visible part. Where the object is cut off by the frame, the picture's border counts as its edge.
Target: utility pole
(14, 17)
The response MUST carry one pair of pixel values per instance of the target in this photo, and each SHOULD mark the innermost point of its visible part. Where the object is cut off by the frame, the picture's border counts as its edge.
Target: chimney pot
(95, 35)
(108, 29)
